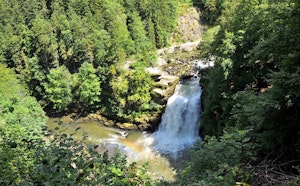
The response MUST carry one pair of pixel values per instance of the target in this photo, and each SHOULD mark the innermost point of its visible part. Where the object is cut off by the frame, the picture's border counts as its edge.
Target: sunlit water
(179, 127)
(129, 143)
(163, 149)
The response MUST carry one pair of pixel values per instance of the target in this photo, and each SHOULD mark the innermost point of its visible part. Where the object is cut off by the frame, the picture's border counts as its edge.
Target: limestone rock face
(164, 87)
(188, 25)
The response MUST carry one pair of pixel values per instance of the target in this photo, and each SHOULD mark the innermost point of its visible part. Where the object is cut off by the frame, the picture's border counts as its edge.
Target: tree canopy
(251, 95)
(71, 56)
(70, 53)
(32, 155)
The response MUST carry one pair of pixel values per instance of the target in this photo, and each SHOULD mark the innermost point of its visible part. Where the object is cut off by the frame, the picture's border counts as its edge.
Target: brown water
(133, 144)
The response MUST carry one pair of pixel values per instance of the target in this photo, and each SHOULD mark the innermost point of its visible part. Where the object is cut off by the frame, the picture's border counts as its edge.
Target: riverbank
(73, 118)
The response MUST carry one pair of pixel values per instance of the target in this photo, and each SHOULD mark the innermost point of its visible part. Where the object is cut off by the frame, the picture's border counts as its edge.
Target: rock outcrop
(165, 85)
(186, 47)
(127, 126)
(188, 25)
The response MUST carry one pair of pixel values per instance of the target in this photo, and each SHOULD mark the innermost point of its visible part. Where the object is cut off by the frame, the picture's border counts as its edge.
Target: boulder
(145, 126)
(168, 80)
(109, 123)
(155, 71)
(164, 88)
(67, 119)
(127, 126)
(161, 61)
(159, 96)
(154, 121)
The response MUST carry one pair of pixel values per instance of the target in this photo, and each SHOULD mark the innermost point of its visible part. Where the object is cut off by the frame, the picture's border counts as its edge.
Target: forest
(251, 96)
(72, 55)
(59, 57)
(75, 56)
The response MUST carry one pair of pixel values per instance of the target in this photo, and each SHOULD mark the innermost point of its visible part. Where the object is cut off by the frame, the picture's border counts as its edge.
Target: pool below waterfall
(163, 149)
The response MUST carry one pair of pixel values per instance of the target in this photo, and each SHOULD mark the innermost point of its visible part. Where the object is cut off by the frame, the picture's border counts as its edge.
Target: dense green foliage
(31, 155)
(219, 161)
(73, 54)
(86, 55)
(64, 161)
(89, 89)
(58, 88)
(21, 121)
(251, 96)
(17, 108)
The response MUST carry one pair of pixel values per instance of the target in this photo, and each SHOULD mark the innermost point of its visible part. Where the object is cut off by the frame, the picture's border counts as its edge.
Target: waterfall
(179, 126)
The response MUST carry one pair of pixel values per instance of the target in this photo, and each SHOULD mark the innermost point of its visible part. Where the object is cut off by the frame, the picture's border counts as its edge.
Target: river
(129, 143)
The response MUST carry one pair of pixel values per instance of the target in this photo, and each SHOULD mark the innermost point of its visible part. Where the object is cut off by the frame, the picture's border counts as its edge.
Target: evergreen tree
(38, 38)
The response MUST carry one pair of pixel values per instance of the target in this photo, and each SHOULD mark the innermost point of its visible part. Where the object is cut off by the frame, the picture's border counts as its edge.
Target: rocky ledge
(164, 86)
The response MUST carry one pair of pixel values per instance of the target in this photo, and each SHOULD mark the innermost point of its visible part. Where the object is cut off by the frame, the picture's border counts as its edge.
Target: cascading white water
(178, 130)
(179, 126)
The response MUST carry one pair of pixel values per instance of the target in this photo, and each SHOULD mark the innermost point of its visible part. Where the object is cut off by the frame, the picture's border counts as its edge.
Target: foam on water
(178, 129)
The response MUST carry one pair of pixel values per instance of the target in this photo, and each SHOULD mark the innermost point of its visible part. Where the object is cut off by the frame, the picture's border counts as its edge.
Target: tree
(212, 10)
(58, 88)
(47, 47)
(257, 72)
(89, 90)
(163, 14)
(273, 115)
(115, 24)
(139, 95)
(138, 34)
(21, 121)
(16, 106)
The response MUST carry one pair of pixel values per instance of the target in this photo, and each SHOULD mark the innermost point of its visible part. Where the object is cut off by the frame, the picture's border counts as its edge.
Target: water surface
(130, 143)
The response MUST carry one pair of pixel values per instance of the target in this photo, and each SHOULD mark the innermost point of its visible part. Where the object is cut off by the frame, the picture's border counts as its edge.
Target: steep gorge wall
(188, 27)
